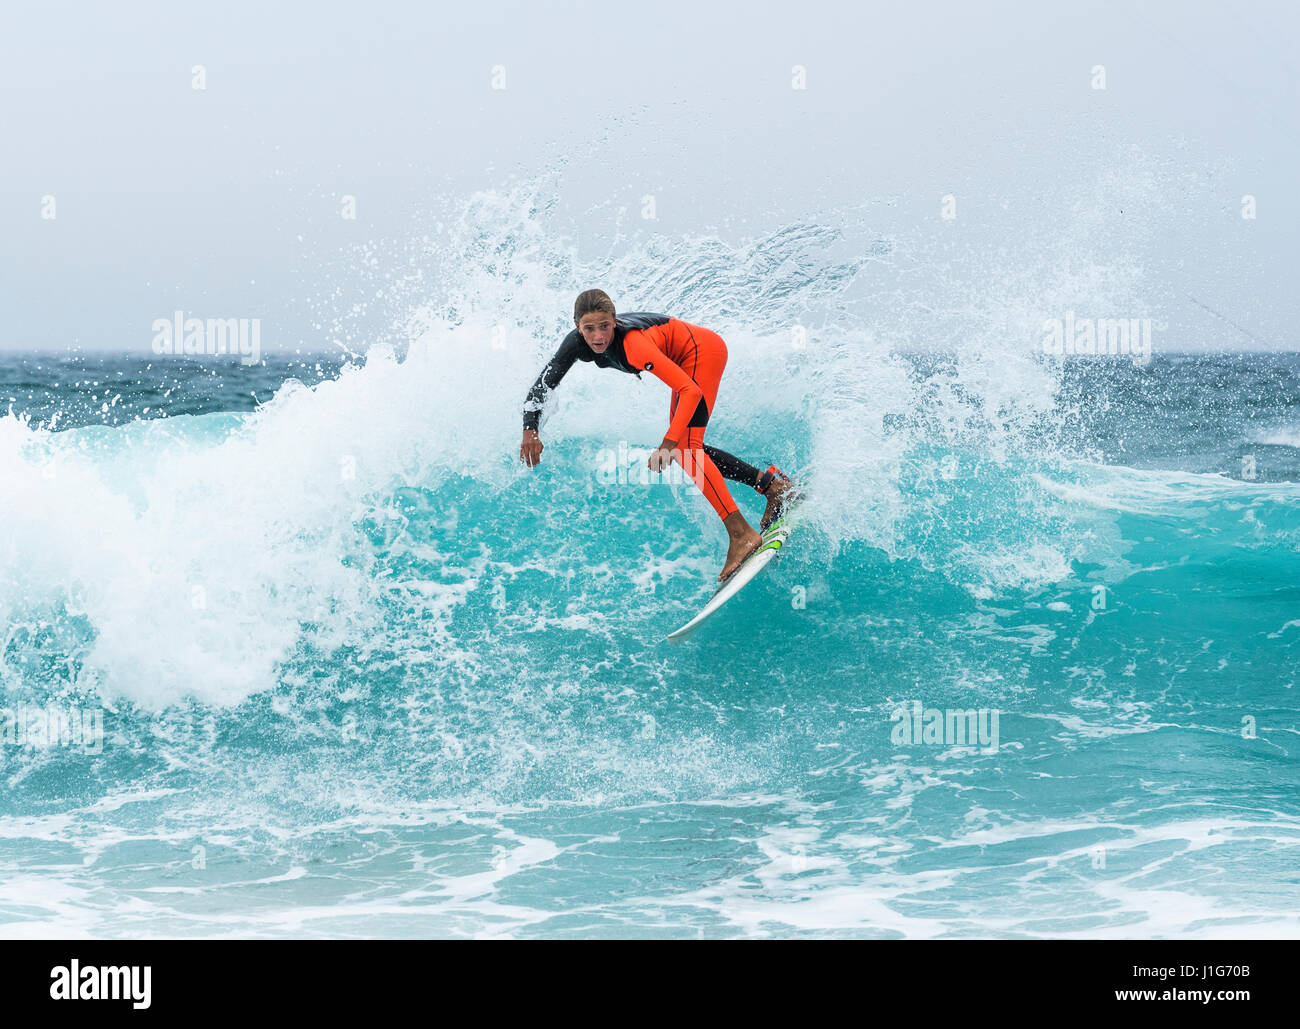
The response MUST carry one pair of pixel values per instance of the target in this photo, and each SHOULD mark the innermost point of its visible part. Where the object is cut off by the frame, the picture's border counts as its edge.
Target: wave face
(360, 673)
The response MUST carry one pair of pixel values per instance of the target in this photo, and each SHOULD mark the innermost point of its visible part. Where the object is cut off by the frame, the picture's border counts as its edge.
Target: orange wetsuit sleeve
(642, 354)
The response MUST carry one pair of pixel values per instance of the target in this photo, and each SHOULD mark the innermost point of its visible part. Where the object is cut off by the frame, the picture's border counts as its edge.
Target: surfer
(689, 359)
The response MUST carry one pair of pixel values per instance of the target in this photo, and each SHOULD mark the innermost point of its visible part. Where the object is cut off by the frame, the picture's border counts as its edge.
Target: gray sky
(225, 201)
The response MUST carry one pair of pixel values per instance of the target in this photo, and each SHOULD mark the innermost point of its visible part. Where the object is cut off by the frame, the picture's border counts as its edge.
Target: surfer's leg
(695, 460)
(732, 467)
(697, 463)
(772, 484)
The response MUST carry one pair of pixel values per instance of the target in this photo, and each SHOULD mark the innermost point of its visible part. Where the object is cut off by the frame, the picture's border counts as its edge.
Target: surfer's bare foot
(781, 493)
(743, 541)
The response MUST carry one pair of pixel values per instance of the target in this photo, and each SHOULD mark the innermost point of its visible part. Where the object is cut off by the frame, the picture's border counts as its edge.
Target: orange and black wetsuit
(689, 359)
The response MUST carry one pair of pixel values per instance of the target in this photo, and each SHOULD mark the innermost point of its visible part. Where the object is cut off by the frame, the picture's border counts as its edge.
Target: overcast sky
(225, 201)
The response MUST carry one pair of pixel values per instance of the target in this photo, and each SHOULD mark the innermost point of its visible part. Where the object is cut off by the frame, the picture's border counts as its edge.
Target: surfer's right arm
(530, 450)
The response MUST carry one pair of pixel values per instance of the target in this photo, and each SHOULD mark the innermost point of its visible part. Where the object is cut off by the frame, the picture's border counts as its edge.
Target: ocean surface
(301, 649)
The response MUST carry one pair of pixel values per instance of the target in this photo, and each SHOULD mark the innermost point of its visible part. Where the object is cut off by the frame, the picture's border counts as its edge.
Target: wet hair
(592, 300)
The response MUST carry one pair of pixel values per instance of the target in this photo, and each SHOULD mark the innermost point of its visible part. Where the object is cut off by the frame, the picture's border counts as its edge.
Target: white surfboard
(773, 539)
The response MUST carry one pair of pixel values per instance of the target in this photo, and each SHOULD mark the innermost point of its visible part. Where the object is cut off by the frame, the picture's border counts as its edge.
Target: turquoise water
(362, 674)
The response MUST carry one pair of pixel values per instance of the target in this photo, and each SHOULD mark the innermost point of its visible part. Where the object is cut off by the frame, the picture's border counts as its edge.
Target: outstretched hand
(530, 450)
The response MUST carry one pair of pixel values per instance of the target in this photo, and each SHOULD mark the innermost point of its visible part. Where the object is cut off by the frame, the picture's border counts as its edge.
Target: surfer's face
(597, 329)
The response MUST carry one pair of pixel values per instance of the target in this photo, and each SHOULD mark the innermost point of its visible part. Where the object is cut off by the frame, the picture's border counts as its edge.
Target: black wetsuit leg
(733, 468)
